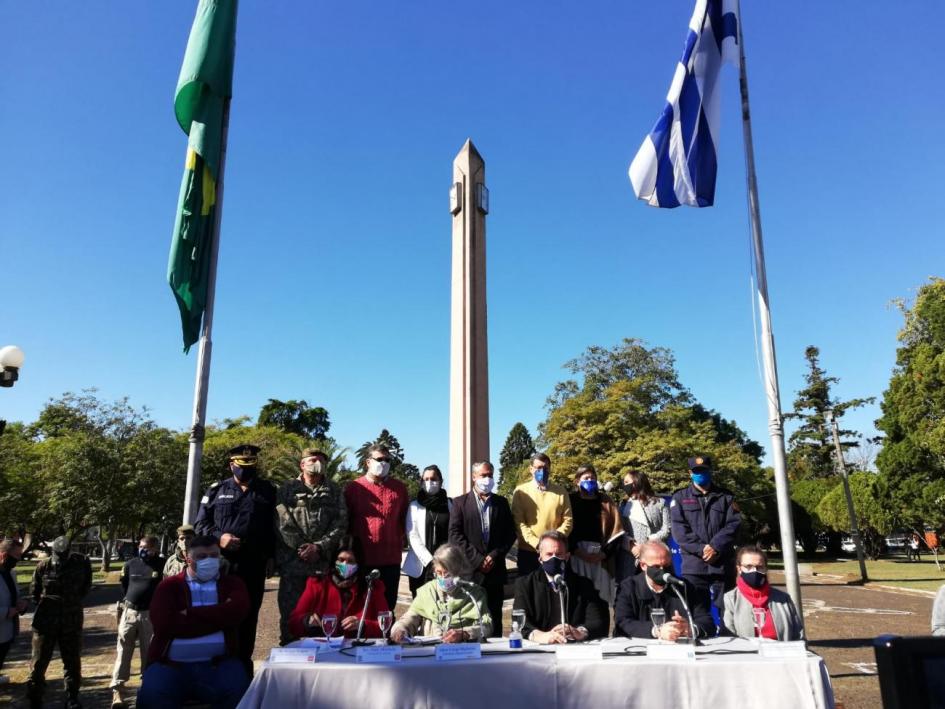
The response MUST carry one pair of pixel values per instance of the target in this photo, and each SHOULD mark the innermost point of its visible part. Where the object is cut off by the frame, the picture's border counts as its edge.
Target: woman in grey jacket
(752, 590)
(645, 518)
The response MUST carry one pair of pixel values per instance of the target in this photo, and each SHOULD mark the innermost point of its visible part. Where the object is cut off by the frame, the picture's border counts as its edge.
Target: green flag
(206, 81)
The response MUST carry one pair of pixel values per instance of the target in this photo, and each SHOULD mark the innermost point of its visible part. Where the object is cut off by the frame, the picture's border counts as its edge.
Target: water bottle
(515, 638)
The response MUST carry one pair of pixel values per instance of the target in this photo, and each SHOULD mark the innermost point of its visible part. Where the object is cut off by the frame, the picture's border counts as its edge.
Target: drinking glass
(518, 617)
(758, 616)
(384, 619)
(329, 623)
(658, 616)
(443, 620)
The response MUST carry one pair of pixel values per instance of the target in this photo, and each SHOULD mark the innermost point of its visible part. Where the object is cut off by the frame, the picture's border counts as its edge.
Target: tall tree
(518, 449)
(295, 417)
(812, 453)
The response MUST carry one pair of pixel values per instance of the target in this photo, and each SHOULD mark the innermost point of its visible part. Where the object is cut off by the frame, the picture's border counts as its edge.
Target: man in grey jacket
(11, 605)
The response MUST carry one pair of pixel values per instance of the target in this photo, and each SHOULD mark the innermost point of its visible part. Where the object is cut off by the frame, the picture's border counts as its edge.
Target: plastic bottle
(515, 638)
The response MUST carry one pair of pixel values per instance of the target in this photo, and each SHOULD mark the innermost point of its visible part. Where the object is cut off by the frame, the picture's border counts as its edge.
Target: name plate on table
(296, 655)
(670, 651)
(460, 651)
(776, 649)
(579, 652)
(380, 654)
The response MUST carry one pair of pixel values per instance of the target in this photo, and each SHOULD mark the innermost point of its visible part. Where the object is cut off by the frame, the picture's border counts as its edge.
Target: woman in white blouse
(645, 516)
(428, 519)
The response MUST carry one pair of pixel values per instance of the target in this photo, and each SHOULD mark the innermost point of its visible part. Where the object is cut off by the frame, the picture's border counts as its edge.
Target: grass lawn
(24, 572)
(894, 571)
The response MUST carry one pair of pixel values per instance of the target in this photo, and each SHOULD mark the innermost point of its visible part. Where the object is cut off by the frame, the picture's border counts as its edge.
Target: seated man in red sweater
(193, 653)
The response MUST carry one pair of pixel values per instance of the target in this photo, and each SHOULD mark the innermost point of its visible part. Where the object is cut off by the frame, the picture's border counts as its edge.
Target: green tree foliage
(912, 459)
(873, 504)
(514, 458)
(399, 468)
(21, 506)
(626, 408)
(295, 417)
(278, 458)
(806, 495)
(811, 451)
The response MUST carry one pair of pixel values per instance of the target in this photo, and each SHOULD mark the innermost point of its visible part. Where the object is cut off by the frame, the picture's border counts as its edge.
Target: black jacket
(534, 595)
(698, 519)
(635, 599)
(250, 515)
(466, 533)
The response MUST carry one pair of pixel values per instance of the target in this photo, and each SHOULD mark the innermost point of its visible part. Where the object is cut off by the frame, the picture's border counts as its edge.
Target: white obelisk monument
(469, 352)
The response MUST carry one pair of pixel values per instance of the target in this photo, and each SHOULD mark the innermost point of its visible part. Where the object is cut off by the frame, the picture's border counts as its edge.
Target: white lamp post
(11, 359)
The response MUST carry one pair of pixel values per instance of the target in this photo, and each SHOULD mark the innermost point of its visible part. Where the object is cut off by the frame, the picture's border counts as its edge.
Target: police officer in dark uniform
(705, 520)
(59, 585)
(239, 511)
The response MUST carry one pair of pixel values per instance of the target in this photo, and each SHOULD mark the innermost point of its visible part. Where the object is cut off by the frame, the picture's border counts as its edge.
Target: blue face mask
(541, 476)
(143, 553)
(553, 566)
(703, 479)
(588, 486)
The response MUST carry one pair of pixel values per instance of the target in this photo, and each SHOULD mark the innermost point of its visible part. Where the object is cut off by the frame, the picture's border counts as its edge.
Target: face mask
(701, 479)
(346, 571)
(485, 485)
(553, 566)
(588, 486)
(755, 579)
(244, 474)
(541, 476)
(208, 569)
(10, 562)
(314, 468)
(379, 468)
(656, 574)
(431, 487)
(446, 583)
(143, 553)
(630, 489)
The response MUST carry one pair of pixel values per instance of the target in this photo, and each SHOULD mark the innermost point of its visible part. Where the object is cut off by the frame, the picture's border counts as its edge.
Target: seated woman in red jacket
(340, 593)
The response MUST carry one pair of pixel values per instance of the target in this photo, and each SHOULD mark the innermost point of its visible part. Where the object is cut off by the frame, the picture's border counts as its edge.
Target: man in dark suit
(638, 595)
(586, 616)
(481, 525)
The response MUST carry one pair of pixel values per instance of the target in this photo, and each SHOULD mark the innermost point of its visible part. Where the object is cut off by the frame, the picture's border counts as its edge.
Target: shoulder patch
(218, 483)
(673, 503)
(205, 499)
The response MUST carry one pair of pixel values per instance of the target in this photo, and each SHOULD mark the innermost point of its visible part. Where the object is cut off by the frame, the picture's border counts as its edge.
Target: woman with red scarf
(340, 593)
(752, 590)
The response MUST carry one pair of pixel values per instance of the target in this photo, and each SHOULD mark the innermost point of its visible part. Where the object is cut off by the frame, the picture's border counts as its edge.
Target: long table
(727, 672)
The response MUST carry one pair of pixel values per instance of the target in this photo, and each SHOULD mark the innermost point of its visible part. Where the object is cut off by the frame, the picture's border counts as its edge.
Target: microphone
(371, 578)
(558, 581)
(668, 579)
(374, 576)
(467, 584)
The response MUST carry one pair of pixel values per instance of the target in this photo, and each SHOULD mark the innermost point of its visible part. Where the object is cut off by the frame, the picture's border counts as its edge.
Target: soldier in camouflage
(59, 585)
(311, 517)
(177, 562)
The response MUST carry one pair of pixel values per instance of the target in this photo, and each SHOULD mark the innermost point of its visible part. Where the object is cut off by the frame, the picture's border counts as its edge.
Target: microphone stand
(562, 588)
(482, 631)
(692, 626)
(358, 641)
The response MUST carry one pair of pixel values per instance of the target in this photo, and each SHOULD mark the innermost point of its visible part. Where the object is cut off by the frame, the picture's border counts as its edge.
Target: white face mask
(431, 487)
(378, 468)
(485, 485)
(313, 467)
(207, 569)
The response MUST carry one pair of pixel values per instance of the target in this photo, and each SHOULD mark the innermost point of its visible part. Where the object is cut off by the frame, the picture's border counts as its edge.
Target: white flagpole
(775, 419)
(192, 491)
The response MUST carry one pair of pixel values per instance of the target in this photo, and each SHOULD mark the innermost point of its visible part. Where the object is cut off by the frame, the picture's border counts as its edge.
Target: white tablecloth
(720, 677)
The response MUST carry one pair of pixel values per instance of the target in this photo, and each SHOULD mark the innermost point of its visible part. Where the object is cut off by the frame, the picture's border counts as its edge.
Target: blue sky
(335, 253)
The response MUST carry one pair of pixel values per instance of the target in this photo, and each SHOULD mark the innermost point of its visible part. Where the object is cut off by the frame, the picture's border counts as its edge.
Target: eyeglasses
(752, 567)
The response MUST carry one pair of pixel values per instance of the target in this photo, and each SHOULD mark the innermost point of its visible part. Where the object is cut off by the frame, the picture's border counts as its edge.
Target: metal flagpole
(775, 419)
(192, 491)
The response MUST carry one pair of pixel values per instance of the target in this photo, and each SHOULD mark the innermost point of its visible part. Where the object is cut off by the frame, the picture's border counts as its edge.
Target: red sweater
(173, 596)
(322, 596)
(377, 513)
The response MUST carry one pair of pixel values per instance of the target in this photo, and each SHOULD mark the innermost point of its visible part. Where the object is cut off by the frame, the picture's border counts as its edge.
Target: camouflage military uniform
(59, 585)
(175, 563)
(305, 515)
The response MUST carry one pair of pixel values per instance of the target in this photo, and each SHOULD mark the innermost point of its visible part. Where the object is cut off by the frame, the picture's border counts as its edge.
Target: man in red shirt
(377, 513)
(194, 651)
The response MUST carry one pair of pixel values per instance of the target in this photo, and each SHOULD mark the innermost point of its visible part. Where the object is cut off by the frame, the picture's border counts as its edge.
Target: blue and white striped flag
(677, 162)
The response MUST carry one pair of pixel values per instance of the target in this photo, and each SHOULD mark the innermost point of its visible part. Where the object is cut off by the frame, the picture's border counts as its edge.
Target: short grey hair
(551, 534)
(452, 559)
(479, 465)
(654, 545)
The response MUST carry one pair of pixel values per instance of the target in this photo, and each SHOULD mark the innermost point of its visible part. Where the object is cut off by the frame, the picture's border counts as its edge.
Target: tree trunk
(106, 555)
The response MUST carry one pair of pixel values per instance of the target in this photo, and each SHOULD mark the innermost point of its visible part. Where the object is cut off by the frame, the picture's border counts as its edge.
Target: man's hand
(396, 636)
(456, 636)
(487, 564)
(308, 552)
(230, 542)
(349, 623)
(676, 627)
(709, 554)
(549, 637)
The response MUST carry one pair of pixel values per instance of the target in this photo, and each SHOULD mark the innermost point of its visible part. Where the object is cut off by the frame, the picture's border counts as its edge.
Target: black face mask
(755, 579)
(244, 475)
(553, 566)
(656, 574)
(630, 489)
(10, 562)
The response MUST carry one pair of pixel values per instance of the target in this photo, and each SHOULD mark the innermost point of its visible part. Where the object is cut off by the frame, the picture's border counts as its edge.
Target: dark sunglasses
(382, 460)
